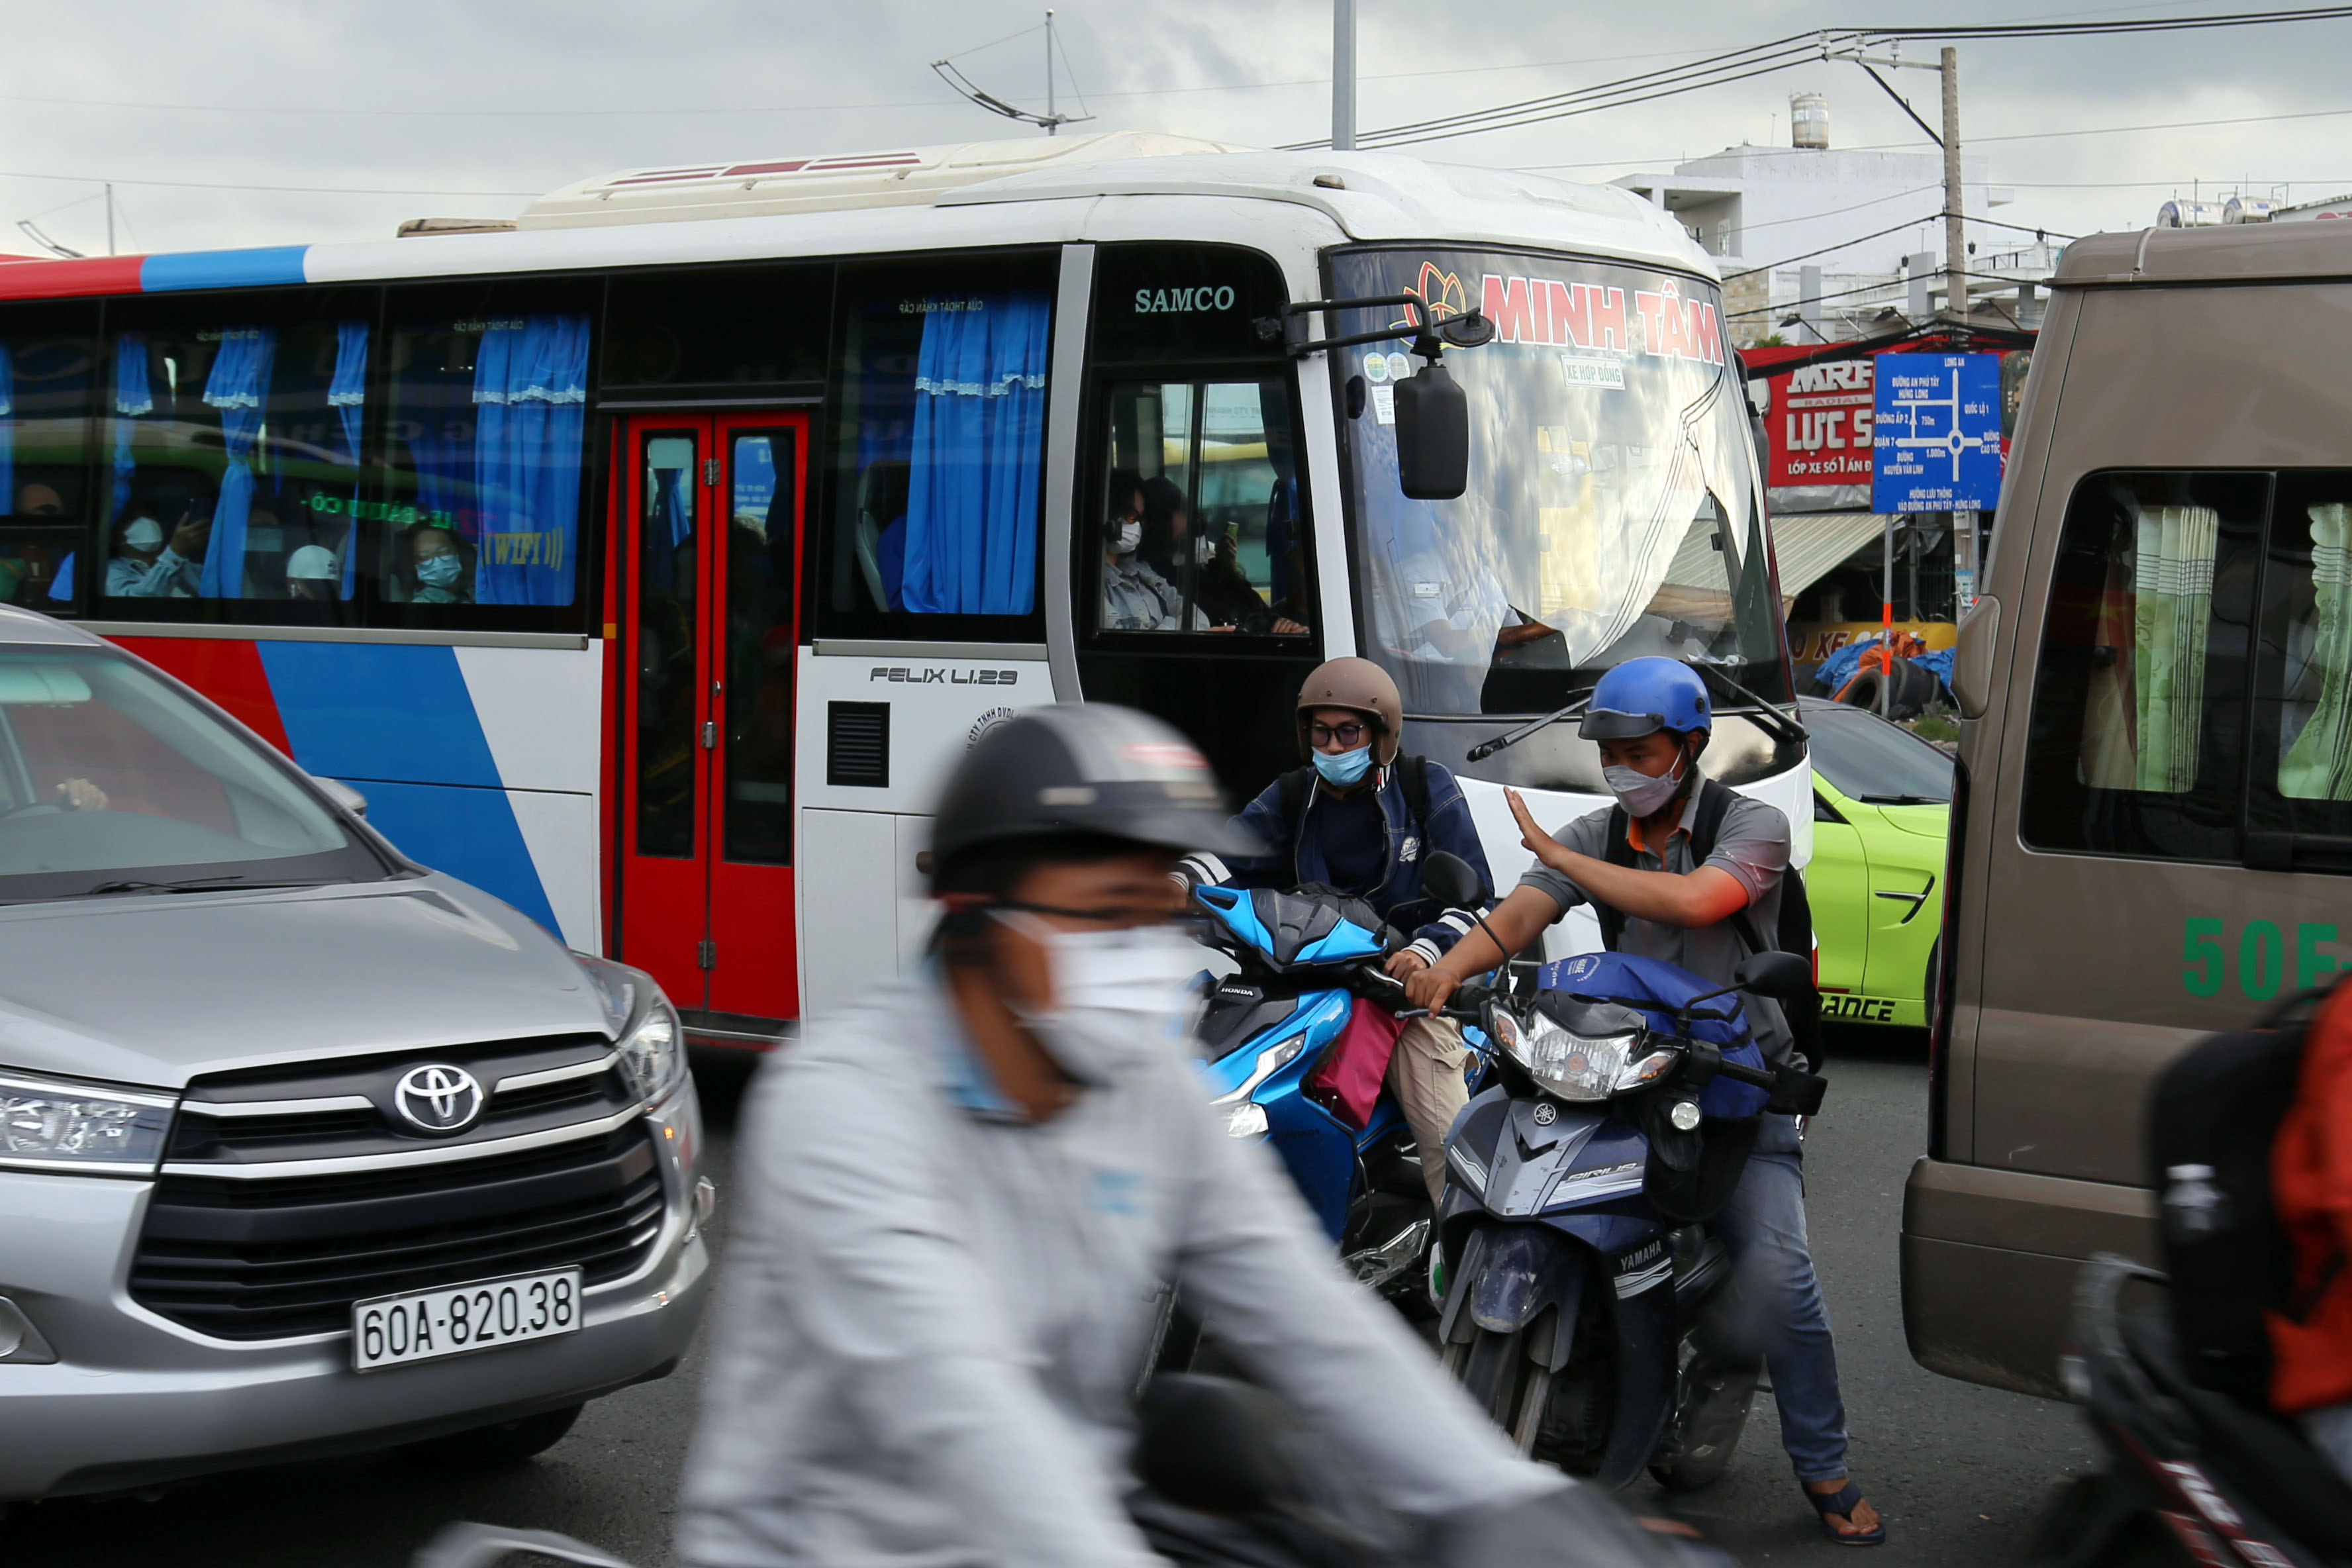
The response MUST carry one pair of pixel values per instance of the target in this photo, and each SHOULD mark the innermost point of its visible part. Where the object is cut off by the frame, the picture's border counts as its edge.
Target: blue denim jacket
(1294, 856)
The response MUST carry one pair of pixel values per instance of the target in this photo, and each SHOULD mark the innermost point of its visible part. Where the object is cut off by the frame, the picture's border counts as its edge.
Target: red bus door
(710, 537)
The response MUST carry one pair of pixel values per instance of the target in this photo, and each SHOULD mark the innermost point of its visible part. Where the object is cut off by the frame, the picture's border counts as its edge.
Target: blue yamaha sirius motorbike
(1304, 957)
(1585, 1301)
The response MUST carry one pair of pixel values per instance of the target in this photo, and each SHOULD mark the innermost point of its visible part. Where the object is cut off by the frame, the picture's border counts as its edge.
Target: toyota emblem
(438, 1098)
(1545, 1115)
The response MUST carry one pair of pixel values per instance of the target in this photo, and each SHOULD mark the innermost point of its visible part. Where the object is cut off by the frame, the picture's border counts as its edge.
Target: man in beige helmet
(1362, 820)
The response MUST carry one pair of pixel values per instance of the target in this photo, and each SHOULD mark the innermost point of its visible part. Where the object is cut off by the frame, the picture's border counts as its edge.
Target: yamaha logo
(1545, 1115)
(438, 1098)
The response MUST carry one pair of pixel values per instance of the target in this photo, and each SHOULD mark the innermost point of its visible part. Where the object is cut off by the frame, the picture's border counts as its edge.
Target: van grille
(260, 1257)
(289, 1192)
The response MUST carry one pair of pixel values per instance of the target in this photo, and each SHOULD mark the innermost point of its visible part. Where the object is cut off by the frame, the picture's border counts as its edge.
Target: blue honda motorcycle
(1586, 1302)
(1304, 957)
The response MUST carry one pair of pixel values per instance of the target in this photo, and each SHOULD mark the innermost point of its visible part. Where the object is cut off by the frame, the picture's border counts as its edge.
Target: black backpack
(1795, 933)
(2212, 1123)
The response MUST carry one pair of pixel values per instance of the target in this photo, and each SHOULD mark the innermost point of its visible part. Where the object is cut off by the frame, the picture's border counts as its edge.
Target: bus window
(716, 331)
(47, 356)
(231, 469)
(2137, 737)
(2302, 780)
(939, 447)
(1201, 526)
(484, 450)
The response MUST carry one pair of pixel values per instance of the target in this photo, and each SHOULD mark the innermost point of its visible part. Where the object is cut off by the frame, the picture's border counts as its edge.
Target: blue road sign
(1936, 442)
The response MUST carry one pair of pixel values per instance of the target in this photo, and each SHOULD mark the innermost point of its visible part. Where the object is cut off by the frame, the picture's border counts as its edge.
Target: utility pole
(1343, 76)
(1955, 244)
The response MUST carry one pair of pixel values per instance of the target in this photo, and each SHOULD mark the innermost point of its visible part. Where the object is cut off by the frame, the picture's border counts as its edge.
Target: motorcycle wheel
(1498, 1374)
(1711, 1403)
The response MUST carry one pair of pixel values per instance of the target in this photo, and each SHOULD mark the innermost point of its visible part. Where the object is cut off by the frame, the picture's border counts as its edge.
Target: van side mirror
(1432, 435)
(1783, 976)
(1449, 880)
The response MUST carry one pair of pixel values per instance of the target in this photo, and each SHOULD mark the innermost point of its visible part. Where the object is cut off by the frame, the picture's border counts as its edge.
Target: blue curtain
(972, 492)
(7, 433)
(134, 399)
(347, 396)
(530, 391)
(239, 388)
(61, 586)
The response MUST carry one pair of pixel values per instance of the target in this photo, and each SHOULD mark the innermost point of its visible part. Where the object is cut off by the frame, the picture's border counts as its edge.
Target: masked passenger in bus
(146, 566)
(436, 570)
(1135, 597)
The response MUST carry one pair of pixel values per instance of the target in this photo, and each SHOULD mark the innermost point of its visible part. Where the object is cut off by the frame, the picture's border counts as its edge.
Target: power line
(1779, 54)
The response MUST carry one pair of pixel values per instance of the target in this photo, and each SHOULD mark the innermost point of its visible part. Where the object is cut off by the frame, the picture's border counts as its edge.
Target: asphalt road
(1958, 1469)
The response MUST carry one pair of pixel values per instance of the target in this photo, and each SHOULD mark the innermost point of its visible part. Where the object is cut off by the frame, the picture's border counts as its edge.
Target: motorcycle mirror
(1448, 878)
(1783, 976)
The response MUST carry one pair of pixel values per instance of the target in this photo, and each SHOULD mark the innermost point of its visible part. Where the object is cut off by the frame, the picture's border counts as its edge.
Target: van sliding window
(2139, 736)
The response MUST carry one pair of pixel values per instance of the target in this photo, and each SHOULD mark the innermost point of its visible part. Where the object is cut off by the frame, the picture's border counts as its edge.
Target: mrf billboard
(1819, 424)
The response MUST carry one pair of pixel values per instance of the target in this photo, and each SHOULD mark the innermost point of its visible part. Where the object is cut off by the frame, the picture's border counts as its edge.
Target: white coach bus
(648, 563)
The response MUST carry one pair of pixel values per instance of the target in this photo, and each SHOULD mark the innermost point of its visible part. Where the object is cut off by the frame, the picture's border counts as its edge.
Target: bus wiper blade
(189, 885)
(1901, 800)
(1489, 747)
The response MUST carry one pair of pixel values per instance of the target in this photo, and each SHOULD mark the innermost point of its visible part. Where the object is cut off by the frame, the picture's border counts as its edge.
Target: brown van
(2151, 836)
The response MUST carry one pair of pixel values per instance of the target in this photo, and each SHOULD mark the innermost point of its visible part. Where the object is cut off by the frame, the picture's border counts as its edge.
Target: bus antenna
(1052, 120)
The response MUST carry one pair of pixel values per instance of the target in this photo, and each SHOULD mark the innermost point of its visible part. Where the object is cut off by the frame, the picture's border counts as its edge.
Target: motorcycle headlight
(1245, 1120)
(1570, 1065)
(53, 1126)
(654, 1053)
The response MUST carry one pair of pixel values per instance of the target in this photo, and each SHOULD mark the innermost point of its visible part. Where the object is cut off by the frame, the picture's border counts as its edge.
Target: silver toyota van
(303, 1148)
(2153, 836)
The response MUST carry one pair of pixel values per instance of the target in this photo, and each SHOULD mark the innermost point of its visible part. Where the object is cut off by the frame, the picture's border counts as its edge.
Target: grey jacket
(936, 1312)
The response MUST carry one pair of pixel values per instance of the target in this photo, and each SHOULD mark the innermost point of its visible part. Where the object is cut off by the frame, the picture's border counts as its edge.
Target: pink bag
(1347, 1082)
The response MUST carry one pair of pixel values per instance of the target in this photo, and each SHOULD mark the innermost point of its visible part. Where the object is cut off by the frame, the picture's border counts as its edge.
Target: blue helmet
(1644, 695)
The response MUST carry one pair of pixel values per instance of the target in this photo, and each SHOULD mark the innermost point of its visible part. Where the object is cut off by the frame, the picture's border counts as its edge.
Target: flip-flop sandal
(1841, 1502)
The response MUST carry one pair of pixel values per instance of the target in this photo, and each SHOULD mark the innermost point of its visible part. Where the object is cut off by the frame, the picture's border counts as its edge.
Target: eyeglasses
(1349, 735)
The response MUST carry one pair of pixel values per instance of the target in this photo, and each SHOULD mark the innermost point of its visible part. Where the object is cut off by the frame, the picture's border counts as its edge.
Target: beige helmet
(1364, 686)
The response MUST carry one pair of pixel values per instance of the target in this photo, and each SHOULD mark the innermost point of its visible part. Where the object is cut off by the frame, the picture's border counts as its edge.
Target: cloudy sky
(268, 121)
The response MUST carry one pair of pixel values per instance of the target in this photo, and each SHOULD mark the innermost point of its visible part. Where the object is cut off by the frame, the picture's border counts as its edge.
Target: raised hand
(1538, 842)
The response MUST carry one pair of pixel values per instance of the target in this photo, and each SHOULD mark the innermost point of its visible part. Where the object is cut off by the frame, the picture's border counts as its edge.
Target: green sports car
(1882, 805)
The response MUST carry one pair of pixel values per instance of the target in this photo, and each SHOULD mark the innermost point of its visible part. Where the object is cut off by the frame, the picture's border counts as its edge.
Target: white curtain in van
(2318, 765)
(2172, 605)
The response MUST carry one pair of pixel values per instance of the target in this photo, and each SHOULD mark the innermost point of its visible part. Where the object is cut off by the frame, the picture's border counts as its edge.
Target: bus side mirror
(1432, 435)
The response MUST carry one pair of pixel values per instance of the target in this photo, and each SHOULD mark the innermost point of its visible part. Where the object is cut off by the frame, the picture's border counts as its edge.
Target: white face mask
(1639, 793)
(1130, 535)
(1118, 995)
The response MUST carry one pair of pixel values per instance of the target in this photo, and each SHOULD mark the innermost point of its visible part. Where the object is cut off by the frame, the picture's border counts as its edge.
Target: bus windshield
(1611, 512)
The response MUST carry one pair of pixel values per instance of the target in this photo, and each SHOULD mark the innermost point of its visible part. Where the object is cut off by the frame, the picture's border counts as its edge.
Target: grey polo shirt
(1752, 846)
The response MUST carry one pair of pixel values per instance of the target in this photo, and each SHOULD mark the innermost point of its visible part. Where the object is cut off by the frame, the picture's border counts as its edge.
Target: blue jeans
(1764, 1226)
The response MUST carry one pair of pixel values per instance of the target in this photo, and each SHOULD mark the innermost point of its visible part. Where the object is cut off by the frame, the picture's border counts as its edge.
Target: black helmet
(1082, 770)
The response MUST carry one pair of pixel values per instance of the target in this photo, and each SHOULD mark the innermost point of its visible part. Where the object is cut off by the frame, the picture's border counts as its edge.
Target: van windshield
(112, 781)
(1611, 512)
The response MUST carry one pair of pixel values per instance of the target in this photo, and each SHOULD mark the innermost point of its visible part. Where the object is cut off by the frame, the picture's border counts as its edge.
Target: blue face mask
(439, 571)
(1344, 768)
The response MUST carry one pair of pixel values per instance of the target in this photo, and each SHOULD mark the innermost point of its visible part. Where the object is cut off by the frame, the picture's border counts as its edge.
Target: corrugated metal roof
(1809, 546)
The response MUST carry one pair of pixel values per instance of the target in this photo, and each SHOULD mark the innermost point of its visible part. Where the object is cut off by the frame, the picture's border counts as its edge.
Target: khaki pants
(1425, 1074)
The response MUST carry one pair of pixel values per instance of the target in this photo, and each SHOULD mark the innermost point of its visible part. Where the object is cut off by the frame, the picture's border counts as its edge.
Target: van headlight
(654, 1053)
(53, 1126)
